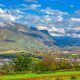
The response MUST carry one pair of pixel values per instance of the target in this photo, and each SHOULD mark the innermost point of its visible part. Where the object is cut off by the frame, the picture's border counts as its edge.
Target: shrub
(59, 79)
(73, 78)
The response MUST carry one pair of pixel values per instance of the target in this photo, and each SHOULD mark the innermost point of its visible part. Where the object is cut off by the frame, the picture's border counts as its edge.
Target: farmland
(39, 65)
(63, 75)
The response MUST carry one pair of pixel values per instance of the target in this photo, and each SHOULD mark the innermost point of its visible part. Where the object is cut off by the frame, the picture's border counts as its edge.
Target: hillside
(17, 36)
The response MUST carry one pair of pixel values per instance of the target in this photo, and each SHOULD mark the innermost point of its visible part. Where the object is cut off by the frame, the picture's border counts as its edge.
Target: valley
(39, 40)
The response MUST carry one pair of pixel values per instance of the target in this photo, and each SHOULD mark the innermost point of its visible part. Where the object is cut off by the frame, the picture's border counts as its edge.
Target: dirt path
(2, 74)
(51, 77)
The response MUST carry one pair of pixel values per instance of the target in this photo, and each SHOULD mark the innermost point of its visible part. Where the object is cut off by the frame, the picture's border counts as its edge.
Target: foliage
(73, 78)
(22, 63)
(37, 62)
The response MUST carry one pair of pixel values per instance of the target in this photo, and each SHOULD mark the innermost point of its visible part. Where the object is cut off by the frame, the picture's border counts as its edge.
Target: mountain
(14, 36)
(64, 41)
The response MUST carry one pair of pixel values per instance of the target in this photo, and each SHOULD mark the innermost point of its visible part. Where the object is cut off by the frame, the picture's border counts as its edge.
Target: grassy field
(25, 76)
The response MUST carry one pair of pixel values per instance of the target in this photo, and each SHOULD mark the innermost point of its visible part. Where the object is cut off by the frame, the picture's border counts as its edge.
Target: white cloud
(29, 7)
(73, 32)
(55, 34)
(53, 31)
(74, 35)
(75, 19)
(59, 18)
(61, 31)
(51, 11)
(42, 27)
(77, 29)
(48, 11)
(73, 29)
(47, 18)
(54, 15)
(2, 11)
(18, 11)
(57, 30)
(2, 24)
(5, 16)
(34, 6)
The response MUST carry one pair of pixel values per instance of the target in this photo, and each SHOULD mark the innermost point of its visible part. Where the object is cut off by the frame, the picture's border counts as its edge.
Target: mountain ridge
(23, 37)
(20, 36)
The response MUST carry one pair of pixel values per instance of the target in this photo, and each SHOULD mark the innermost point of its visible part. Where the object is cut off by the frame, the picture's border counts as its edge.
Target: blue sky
(59, 17)
(64, 5)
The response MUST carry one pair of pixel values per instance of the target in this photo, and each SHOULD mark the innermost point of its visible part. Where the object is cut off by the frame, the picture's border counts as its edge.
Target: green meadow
(33, 75)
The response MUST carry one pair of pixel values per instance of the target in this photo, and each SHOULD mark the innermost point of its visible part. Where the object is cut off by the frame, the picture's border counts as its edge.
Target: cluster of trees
(35, 65)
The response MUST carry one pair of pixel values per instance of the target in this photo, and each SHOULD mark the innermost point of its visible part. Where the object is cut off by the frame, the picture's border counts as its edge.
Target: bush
(73, 78)
(22, 63)
(58, 79)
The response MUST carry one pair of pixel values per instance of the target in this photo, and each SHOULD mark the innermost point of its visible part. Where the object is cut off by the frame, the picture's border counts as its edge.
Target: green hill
(15, 41)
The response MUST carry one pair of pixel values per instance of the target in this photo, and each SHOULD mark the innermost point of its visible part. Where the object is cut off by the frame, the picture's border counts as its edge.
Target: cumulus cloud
(5, 16)
(2, 24)
(73, 32)
(75, 19)
(57, 30)
(76, 29)
(55, 14)
(51, 11)
(54, 21)
(42, 27)
(74, 35)
(55, 34)
(34, 6)
(69, 32)
(18, 11)
(59, 18)
(2, 11)
(53, 31)
(48, 11)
